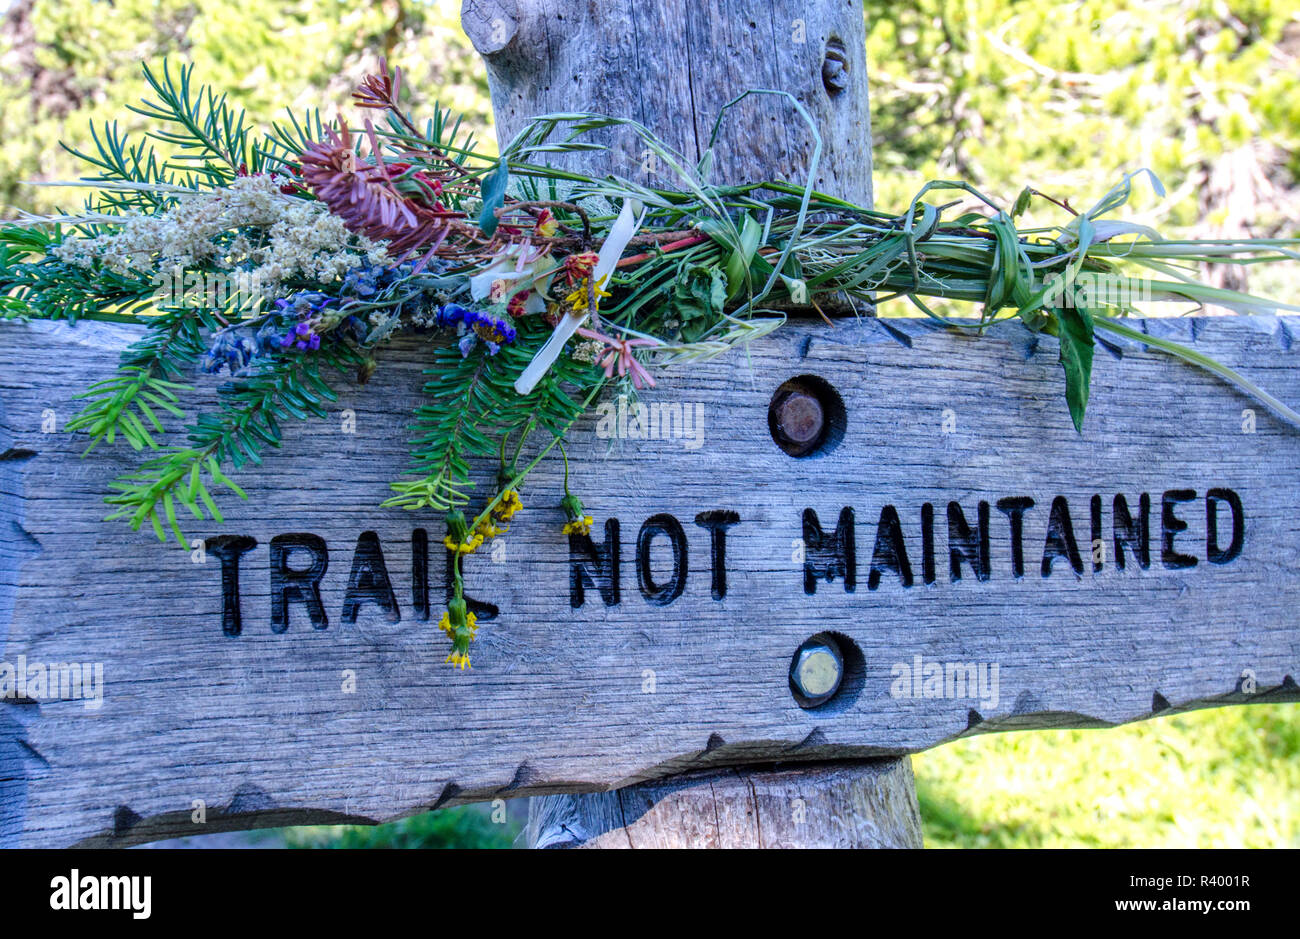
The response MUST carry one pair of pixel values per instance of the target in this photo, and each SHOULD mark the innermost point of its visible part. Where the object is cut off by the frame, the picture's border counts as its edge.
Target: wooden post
(672, 65)
(854, 804)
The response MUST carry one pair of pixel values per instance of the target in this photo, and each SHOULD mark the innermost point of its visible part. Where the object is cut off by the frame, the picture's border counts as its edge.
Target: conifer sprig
(211, 135)
(471, 407)
(39, 285)
(247, 420)
(145, 384)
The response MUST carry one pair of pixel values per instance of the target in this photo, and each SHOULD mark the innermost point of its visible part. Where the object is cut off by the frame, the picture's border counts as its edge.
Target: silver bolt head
(817, 670)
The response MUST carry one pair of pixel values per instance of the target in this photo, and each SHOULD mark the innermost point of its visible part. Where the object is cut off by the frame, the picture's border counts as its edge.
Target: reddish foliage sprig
(362, 193)
(402, 202)
(382, 92)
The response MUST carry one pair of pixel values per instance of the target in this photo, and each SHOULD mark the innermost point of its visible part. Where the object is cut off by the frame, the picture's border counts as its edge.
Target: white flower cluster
(249, 225)
(587, 351)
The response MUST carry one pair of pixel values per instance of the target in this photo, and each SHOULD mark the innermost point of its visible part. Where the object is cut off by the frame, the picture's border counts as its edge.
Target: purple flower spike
(302, 329)
(495, 332)
(314, 343)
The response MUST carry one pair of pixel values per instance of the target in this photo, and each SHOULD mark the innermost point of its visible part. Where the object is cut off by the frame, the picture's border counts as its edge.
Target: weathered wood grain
(673, 64)
(262, 730)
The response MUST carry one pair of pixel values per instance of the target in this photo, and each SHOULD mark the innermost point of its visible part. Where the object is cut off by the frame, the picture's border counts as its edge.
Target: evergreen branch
(50, 288)
(119, 161)
(283, 144)
(449, 429)
(288, 386)
(473, 406)
(549, 405)
(205, 128)
(142, 384)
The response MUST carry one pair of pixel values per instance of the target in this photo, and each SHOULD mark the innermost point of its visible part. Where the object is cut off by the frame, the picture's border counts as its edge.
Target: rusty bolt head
(799, 417)
(806, 416)
(817, 670)
(799, 420)
(835, 68)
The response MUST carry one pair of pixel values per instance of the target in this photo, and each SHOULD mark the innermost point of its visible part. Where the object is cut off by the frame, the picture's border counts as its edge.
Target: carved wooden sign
(977, 564)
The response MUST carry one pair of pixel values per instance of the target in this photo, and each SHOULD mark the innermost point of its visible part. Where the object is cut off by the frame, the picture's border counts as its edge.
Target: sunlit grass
(1221, 778)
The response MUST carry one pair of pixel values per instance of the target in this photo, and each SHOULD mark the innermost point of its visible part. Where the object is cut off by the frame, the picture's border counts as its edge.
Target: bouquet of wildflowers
(286, 261)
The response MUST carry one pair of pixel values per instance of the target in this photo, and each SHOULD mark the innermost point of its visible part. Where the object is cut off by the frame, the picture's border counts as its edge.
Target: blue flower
(267, 338)
(492, 330)
(232, 350)
(449, 314)
(362, 281)
(367, 279)
(304, 303)
(302, 337)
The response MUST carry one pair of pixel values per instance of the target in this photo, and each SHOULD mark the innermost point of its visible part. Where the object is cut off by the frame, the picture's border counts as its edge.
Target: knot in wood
(491, 25)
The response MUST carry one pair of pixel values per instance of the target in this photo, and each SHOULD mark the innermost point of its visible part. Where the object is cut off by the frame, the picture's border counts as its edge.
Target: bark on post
(672, 65)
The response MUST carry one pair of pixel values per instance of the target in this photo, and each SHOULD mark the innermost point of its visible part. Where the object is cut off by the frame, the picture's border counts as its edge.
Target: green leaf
(157, 526)
(698, 299)
(212, 506)
(1074, 329)
(738, 262)
(1022, 202)
(493, 189)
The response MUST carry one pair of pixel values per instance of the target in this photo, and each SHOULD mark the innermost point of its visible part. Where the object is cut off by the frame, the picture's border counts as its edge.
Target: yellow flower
(579, 526)
(580, 299)
(471, 621)
(546, 224)
(462, 626)
(488, 528)
(463, 547)
(508, 506)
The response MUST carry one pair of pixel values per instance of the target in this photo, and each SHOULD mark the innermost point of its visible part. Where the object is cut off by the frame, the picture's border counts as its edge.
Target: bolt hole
(806, 417)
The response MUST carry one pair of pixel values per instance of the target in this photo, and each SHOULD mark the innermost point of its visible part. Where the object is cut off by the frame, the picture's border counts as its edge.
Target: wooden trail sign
(983, 566)
(905, 510)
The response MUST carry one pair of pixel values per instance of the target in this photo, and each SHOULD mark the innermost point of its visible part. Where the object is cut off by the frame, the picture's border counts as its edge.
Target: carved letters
(299, 561)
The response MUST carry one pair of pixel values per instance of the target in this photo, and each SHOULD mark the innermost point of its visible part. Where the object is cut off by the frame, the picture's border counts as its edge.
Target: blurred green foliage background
(1061, 95)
